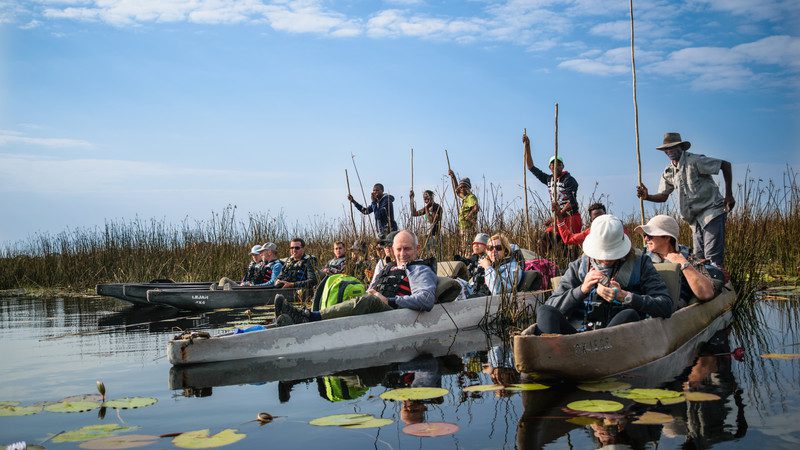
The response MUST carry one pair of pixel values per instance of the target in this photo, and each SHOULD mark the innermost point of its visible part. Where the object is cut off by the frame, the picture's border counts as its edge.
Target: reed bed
(762, 235)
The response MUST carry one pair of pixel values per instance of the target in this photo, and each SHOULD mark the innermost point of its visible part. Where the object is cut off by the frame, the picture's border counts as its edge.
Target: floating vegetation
(97, 398)
(418, 393)
(341, 420)
(202, 438)
(605, 385)
(71, 407)
(431, 429)
(595, 406)
(660, 401)
(653, 418)
(701, 396)
(91, 432)
(781, 355)
(526, 387)
(131, 402)
(117, 442)
(8, 409)
(646, 393)
(375, 422)
(484, 388)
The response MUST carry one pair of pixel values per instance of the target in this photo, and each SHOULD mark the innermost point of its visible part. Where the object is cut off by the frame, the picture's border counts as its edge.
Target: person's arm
(414, 211)
(665, 188)
(570, 238)
(276, 272)
(360, 208)
(571, 188)
(453, 180)
(727, 175)
(701, 285)
(543, 177)
(423, 290)
(656, 300)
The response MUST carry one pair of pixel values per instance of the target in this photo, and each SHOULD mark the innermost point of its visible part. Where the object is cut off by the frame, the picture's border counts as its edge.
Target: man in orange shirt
(568, 237)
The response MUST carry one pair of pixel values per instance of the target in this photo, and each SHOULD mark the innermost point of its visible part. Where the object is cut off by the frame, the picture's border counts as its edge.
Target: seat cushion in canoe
(452, 269)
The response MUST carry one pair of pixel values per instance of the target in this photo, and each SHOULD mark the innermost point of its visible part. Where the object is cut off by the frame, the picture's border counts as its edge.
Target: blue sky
(168, 109)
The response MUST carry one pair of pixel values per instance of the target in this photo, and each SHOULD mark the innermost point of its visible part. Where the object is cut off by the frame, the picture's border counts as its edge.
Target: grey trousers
(366, 304)
(709, 240)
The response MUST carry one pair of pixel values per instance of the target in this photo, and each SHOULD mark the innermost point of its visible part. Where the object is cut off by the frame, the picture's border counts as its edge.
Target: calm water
(56, 348)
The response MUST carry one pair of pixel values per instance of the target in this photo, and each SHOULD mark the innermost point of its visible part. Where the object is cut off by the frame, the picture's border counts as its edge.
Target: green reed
(762, 235)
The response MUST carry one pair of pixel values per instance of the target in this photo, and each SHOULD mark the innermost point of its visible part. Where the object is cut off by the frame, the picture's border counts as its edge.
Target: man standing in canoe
(609, 285)
(406, 283)
(699, 200)
(433, 219)
(566, 204)
(382, 207)
(468, 214)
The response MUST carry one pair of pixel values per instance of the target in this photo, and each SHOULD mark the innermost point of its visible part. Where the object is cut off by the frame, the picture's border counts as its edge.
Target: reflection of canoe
(136, 293)
(309, 365)
(608, 351)
(207, 300)
(400, 325)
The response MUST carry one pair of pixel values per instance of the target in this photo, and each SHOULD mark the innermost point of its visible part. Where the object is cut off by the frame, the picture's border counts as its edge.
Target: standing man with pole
(382, 207)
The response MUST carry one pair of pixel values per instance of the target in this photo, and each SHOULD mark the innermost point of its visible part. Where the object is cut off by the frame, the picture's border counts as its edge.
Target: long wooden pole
(349, 194)
(413, 206)
(636, 115)
(372, 223)
(525, 189)
(453, 182)
(555, 182)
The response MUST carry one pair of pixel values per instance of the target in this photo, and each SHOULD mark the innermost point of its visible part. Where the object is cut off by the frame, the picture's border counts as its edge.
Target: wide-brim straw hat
(607, 240)
(672, 140)
(661, 225)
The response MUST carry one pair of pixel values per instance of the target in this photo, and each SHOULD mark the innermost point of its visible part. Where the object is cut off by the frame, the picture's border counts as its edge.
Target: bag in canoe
(336, 289)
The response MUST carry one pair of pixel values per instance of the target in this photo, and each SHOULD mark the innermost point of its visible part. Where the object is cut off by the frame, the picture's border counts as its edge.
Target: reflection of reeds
(763, 232)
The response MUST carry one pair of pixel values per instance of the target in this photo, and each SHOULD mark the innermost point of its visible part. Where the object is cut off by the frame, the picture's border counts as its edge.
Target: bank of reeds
(762, 233)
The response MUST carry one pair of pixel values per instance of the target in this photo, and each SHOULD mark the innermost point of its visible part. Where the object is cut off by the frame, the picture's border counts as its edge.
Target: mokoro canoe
(310, 365)
(207, 300)
(136, 293)
(596, 354)
(400, 325)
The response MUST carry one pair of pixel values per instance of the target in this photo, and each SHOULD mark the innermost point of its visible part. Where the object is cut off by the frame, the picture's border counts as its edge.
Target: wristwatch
(685, 265)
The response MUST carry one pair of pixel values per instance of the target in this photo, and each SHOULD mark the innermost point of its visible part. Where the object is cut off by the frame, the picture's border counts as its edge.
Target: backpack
(547, 268)
(336, 289)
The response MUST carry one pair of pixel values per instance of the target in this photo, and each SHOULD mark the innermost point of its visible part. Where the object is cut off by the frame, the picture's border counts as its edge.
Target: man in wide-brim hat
(609, 285)
(699, 200)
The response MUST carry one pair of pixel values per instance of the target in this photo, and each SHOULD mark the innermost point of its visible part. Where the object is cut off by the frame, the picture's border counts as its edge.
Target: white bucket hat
(607, 240)
(661, 225)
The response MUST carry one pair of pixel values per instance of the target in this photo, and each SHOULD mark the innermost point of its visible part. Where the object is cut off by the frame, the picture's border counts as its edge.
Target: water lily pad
(71, 407)
(96, 398)
(604, 386)
(781, 355)
(526, 387)
(419, 393)
(431, 429)
(116, 442)
(662, 401)
(483, 388)
(583, 421)
(340, 420)
(701, 396)
(131, 402)
(653, 418)
(17, 410)
(8, 403)
(91, 432)
(647, 393)
(202, 439)
(601, 406)
(371, 423)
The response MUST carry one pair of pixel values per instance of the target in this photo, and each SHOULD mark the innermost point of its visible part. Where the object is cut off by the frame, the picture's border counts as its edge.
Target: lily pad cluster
(352, 421)
(74, 404)
(510, 387)
(417, 393)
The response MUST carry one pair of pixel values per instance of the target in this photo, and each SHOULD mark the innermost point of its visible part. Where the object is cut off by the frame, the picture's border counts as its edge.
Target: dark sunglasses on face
(499, 248)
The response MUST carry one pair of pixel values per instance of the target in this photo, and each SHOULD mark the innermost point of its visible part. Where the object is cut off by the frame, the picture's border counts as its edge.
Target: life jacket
(265, 274)
(296, 270)
(598, 311)
(392, 281)
(252, 271)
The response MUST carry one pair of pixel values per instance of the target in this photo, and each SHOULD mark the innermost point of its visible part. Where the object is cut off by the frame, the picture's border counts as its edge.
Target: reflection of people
(412, 411)
(341, 387)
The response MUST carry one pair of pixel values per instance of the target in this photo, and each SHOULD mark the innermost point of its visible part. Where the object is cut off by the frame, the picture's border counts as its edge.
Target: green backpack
(338, 288)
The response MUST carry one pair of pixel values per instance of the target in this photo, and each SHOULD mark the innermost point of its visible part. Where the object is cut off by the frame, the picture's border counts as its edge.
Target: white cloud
(754, 9)
(612, 62)
(8, 137)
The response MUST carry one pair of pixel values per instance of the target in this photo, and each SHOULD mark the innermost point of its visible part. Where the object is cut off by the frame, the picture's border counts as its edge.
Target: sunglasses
(295, 248)
(499, 248)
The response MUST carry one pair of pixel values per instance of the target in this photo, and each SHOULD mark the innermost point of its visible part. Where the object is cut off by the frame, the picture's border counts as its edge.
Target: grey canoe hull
(207, 300)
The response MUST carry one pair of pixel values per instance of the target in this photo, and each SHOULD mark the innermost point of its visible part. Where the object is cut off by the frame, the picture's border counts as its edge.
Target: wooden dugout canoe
(596, 354)
(207, 299)
(400, 325)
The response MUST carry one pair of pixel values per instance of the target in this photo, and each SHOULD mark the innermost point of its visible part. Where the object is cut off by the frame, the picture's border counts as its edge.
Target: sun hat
(673, 139)
(481, 238)
(269, 246)
(661, 225)
(607, 240)
(255, 250)
(552, 158)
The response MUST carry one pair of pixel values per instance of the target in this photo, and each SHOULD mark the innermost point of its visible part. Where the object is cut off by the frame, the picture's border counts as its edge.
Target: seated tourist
(661, 236)
(272, 266)
(609, 285)
(384, 254)
(408, 283)
(568, 237)
(250, 274)
(299, 269)
(336, 265)
(502, 271)
(478, 252)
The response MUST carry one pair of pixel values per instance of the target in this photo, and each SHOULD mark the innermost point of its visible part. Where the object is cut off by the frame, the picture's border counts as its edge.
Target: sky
(117, 109)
